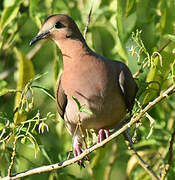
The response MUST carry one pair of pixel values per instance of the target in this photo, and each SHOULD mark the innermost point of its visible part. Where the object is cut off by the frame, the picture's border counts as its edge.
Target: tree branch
(147, 168)
(88, 21)
(63, 164)
(167, 166)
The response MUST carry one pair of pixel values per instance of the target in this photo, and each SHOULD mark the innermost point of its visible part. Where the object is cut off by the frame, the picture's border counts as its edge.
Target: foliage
(133, 31)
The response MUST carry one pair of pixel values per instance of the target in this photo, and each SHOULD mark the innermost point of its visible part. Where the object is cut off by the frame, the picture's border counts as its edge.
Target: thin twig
(163, 47)
(88, 21)
(138, 72)
(5, 139)
(12, 157)
(168, 165)
(147, 168)
(63, 164)
(4, 130)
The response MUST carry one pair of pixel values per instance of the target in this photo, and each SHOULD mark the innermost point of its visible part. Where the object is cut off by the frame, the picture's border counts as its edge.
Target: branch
(167, 166)
(147, 168)
(63, 164)
(88, 21)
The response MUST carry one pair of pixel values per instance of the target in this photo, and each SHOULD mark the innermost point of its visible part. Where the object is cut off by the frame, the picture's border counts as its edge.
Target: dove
(104, 86)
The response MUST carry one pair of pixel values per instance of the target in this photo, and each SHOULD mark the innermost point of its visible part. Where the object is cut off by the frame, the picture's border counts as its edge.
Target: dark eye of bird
(59, 25)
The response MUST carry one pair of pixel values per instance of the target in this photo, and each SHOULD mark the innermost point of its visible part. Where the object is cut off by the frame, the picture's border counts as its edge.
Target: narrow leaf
(9, 14)
(120, 19)
(2, 126)
(33, 11)
(78, 103)
(34, 142)
(5, 91)
(46, 91)
(129, 6)
(173, 72)
(25, 74)
(87, 111)
(171, 37)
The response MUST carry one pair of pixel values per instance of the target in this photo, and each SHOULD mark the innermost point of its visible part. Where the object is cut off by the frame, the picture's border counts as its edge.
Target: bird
(104, 86)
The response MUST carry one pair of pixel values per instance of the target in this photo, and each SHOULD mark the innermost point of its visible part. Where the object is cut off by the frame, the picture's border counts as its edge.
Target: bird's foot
(102, 134)
(77, 151)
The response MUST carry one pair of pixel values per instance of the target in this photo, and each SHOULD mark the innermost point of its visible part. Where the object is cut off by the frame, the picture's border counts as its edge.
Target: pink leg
(77, 151)
(102, 134)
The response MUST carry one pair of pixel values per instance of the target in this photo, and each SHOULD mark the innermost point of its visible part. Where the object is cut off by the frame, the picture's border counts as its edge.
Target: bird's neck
(72, 50)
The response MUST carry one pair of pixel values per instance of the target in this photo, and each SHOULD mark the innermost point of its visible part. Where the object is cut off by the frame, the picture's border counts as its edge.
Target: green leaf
(6, 91)
(45, 154)
(157, 75)
(101, 34)
(121, 34)
(129, 23)
(46, 91)
(32, 7)
(143, 11)
(8, 3)
(120, 19)
(38, 76)
(23, 140)
(31, 138)
(78, 103)
(171, 37)
(4, 117)
(87, 111)
(25, 74)
(9, 14)
(81, 108)
(3, 84)
(33, 11)
(97, 40)
(129, 6)
(133, 161)
(2, 126)
(173, 72)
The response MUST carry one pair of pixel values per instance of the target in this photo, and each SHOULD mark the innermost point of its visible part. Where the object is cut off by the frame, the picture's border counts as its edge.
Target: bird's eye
(59, 25)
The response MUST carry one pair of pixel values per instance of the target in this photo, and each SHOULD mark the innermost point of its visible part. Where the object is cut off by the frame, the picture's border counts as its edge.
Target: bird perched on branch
(105, 87)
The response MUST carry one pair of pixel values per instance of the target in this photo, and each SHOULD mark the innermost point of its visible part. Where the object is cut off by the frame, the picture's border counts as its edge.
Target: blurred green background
(131, 31)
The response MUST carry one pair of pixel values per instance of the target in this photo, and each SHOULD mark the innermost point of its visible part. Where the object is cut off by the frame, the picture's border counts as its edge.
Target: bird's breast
(96, 89)
(85, 79)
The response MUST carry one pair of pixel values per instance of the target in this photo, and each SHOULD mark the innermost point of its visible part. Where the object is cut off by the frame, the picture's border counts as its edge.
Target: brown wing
(61, 99)
(128, 86)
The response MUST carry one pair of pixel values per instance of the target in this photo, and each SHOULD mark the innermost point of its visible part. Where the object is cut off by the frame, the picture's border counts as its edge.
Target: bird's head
(58, 27)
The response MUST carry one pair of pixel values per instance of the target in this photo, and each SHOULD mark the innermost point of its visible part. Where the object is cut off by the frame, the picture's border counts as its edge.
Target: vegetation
(138, 32)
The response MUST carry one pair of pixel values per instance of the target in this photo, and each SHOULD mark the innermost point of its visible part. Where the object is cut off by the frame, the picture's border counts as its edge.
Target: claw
(77, 151)
(102, 134)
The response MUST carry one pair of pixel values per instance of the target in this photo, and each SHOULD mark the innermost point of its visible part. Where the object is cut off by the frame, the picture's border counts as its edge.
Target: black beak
(39, 36)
